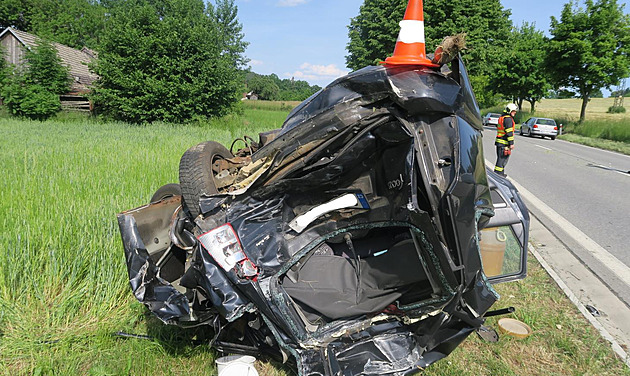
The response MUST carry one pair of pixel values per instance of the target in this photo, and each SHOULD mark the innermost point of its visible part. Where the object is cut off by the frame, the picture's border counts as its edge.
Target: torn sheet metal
(354, 250)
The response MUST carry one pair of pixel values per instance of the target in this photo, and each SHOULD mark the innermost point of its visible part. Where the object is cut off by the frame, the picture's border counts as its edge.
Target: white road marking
(542, 147)
(612, 169)
(621, 270)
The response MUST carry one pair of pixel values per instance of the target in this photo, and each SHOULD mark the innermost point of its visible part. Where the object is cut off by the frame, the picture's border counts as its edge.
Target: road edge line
(608, 260)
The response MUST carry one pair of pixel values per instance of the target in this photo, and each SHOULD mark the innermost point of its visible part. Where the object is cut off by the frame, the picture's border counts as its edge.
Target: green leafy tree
(76, 23)
(271, 87)
(30, 101)
(295, 90)
(16, 13)
(225, 14)
(45, 69)
(520, 72)
(484, 91)
(263, 86)
(160, 61)
(34, 91)
(589, 48)
(374, 31)
(4, 70)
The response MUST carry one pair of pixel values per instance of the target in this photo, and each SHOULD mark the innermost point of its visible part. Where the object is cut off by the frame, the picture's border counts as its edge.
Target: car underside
(346, 242)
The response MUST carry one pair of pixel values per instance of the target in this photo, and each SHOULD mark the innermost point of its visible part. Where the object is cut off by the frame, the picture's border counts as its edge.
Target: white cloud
(311, 72)
(254, 62)
(291, 3)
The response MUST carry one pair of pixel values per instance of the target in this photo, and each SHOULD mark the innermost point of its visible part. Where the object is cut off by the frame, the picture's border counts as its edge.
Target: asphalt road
(587, 187)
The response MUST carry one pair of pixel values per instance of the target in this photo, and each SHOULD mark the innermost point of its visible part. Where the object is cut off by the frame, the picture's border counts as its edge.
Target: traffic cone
(410, 49)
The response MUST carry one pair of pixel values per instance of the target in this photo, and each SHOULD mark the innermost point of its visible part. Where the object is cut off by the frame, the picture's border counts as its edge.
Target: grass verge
(63, 284)
(619, 147)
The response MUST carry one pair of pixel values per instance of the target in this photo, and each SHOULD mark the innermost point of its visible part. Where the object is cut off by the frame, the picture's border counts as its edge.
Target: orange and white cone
(410, 48)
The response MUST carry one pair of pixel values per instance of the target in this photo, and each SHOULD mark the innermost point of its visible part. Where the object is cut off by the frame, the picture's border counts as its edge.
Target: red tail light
(225, 248)
(535, 126)
(555, 128)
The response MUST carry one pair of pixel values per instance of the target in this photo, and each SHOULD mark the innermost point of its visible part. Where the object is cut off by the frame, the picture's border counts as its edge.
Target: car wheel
(520, 132)
(553, 137)
(529, 133)
(165, 191)
(197, 175)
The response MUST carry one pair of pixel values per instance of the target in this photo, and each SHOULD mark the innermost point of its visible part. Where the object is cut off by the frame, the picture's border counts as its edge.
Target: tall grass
(283, 106)
(618, 130)
(63, 281)
(62, 272)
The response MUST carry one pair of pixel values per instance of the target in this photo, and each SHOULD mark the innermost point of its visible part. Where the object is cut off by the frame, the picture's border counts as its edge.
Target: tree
(561, 94)
(75, 23)
(520, 73)
(34, 91)
(374, 31)
(230, 30)
(160, 61)
(4, 69)
(590, 48)
(271, 87)
(263, 86)
(16, 13)
(44, 68)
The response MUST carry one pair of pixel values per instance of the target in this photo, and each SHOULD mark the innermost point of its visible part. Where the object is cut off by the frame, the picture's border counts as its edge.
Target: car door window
(503, 241)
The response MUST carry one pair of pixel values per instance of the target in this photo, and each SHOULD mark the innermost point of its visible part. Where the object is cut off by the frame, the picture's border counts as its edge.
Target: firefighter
(505, 138)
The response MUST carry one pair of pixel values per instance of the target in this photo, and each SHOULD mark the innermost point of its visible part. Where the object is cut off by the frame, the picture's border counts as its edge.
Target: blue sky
(306, 39)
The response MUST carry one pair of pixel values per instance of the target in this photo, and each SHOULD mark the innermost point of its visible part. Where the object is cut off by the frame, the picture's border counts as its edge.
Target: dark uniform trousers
(502, 159)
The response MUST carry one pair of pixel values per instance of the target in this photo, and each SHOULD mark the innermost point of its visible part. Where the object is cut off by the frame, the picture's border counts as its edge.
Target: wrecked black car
(361, 238)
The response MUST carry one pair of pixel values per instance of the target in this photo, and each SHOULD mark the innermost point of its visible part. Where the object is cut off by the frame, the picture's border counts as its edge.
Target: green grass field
(63, 282)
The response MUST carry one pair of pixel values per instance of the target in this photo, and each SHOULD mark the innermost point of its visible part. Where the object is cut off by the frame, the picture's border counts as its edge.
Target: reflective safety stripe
(496, 168)
(504, 136)
(411, 31)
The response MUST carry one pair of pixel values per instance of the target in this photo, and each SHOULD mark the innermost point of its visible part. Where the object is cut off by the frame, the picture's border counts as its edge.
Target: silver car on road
(539, 127)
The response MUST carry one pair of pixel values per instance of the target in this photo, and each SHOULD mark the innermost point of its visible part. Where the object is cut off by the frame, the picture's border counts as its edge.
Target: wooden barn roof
(76, 60)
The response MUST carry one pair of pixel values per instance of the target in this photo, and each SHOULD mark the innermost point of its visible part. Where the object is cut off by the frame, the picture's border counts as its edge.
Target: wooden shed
(14, 42)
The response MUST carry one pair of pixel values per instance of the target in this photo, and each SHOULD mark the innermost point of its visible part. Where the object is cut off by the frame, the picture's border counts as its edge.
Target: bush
(34, 91)
(616, 110)
(31, 101)
(173, 60)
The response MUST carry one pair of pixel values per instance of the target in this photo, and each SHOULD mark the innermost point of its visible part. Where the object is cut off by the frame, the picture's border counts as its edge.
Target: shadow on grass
(183, 342)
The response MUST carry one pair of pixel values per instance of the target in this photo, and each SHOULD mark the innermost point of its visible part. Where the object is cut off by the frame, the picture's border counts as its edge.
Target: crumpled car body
(354, 244)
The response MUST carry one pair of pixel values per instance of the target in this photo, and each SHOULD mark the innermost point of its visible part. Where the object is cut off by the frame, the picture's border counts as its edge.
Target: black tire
(196, 177)
(552, 138)
(165, 191)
